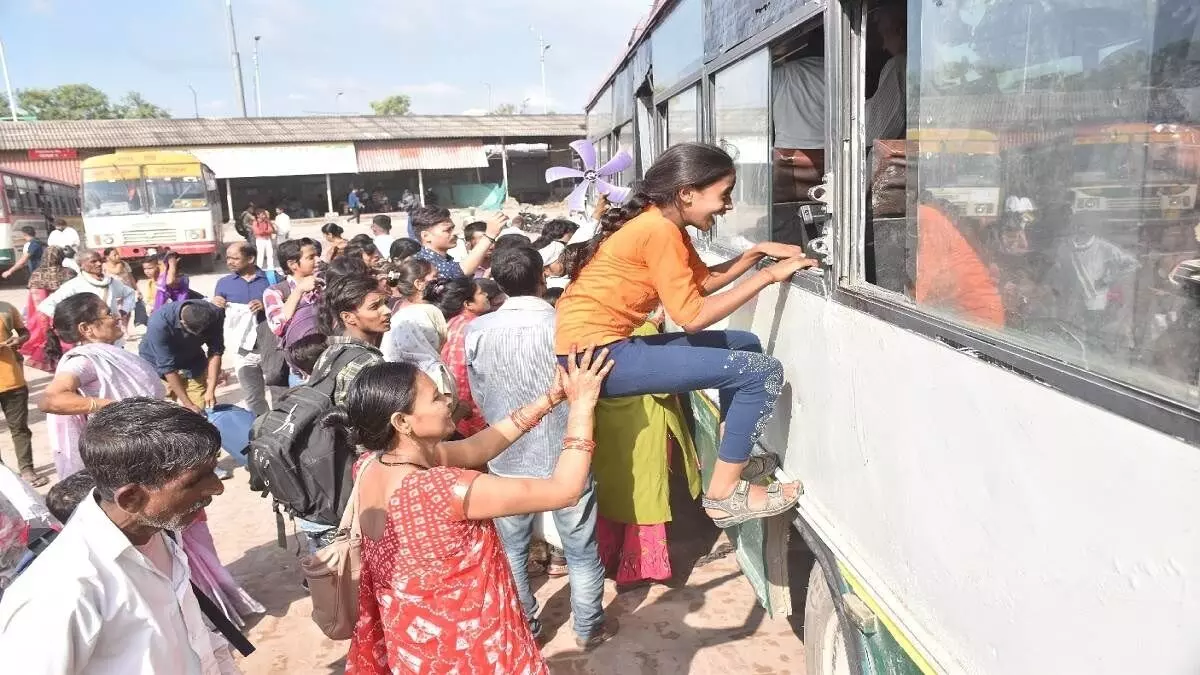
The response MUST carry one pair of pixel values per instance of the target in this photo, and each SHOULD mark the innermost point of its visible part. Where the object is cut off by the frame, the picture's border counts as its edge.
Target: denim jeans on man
(510, 362)
(576, 527)
(731, 361)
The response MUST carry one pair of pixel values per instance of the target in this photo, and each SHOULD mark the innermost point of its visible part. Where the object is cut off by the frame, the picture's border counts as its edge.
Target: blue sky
(440, 53)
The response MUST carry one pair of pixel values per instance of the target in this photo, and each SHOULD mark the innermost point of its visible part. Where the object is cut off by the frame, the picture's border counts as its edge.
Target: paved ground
(706, 621)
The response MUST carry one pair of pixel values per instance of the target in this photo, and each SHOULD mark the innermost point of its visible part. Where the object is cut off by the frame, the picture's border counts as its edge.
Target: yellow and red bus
(35, 201)
(142, 203)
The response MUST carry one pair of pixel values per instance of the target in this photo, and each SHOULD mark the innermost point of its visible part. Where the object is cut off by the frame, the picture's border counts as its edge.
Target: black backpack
(304, 465)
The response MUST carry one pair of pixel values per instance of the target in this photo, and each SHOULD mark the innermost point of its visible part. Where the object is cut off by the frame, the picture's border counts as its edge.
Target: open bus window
(798, 95)
(1045, 188)
(741, 104)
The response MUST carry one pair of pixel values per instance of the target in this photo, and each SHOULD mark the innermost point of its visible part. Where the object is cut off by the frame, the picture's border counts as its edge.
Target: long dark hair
(555, 230)
(686, 165)
(378, 392)
(74, 310)
(344, 294)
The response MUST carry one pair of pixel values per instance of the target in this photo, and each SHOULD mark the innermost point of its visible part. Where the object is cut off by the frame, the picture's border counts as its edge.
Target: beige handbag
(332, 573)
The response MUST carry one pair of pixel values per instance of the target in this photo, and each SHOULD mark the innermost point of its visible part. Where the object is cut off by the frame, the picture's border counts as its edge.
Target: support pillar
(329, 197)
(421, 186)
(229, 200)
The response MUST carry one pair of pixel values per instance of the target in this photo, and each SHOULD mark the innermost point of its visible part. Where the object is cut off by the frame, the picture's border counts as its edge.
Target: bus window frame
(846, 60)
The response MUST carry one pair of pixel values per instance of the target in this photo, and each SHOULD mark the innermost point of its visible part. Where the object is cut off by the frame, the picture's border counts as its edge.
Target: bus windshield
(181, 193)
(121, 190)
(112, 191)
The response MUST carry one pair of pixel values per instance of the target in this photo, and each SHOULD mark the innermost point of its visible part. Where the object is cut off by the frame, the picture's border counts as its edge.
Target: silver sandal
(760, 466)
(737, 504)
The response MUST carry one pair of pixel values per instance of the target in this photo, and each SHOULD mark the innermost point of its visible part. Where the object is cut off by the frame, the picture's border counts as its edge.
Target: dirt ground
(705, 621)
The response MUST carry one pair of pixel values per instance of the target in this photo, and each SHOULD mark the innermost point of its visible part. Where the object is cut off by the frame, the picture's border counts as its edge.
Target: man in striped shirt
(510, 360)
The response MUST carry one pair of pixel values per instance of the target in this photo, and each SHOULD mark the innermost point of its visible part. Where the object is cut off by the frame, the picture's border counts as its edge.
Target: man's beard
(178, 522)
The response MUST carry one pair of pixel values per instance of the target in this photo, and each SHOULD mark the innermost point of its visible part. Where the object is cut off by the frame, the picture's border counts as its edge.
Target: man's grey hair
(145, 441)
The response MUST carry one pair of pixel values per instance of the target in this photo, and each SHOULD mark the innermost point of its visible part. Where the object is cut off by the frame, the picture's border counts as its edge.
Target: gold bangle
(527, 418)
(583, 444)
(92, 405)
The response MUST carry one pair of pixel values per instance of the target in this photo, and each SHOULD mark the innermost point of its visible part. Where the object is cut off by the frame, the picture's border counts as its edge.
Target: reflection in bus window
(740, 112)
(1057, 144)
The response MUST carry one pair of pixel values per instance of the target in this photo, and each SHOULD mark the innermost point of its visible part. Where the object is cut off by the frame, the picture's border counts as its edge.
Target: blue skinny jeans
(730, 361)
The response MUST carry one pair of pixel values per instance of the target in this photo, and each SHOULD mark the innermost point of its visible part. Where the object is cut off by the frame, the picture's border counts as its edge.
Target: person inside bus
(31, 253)
(885, 109)
(952, 274)
(798, 113)
(643, 257)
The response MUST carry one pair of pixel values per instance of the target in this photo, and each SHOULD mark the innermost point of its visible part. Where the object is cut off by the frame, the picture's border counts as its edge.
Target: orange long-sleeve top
(650, 260)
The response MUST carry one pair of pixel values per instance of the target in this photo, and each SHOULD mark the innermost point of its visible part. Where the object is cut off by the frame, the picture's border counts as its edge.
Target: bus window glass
(599, 118)
(623, 137)
(175, 187)
(112, 191)
(681, 117)
(740, 110)
(1044, 185)
(645, 135)
(677, 44)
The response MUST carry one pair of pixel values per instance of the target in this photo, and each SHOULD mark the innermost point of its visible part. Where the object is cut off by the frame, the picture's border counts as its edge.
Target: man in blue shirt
(245, 286)
(354, 204)
(431, 225)
(184, 342)
(31, 253)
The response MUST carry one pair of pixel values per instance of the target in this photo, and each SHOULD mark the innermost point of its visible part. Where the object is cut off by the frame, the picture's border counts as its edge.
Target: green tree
(81, 102)
(66, 102)
(504, 109)
(397, 104)
(133, 106)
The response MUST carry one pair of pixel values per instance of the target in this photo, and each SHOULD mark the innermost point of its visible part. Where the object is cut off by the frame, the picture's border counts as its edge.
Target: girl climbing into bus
(643, 257)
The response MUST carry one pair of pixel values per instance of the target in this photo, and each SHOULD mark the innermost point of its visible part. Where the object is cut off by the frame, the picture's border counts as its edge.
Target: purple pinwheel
(592, 176)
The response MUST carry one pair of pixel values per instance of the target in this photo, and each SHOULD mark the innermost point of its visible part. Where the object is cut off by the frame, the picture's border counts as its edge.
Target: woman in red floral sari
(435, 591)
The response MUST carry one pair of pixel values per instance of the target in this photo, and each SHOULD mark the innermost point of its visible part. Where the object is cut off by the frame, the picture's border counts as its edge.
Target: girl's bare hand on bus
(784, 269)
(774, 249)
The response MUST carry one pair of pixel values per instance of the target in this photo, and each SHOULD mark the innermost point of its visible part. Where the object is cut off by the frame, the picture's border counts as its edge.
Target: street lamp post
(236, 58)
(257, 81)
(195, 101)
(489, 88)
(12, 100)
(542, 49)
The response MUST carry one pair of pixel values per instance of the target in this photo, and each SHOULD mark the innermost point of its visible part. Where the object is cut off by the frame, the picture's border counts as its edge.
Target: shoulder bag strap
(350, 516)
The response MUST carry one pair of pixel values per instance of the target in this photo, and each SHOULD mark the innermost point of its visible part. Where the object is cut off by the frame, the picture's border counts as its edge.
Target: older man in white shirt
(112, 594)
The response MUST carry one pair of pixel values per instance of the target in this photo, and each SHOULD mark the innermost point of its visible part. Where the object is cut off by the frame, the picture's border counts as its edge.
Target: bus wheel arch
(825, 641)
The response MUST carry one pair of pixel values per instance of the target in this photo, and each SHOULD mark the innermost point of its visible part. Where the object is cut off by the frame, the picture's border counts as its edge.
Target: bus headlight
(195, 235)
(109, 239)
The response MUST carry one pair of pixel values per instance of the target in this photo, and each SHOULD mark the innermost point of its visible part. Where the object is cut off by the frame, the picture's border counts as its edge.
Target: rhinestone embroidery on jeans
(753, 362)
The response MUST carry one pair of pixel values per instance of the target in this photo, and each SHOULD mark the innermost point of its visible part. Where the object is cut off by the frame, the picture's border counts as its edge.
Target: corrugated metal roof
(412, 155)
(62, 170)
(255, 130)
